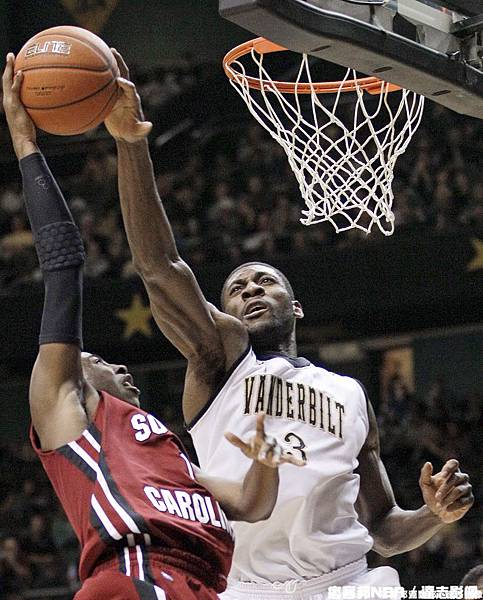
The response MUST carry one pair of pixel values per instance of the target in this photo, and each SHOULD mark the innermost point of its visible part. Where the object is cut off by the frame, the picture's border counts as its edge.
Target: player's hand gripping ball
(264, 448)
(69, 80)
(126, 121)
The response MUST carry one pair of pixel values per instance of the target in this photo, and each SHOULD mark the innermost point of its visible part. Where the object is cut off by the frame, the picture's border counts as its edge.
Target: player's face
(113, 379)
(257, 295)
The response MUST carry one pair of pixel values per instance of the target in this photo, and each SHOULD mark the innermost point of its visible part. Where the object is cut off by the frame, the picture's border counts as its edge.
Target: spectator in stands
(432, 189)
(15, 573)
(40, 550)
(217, 232)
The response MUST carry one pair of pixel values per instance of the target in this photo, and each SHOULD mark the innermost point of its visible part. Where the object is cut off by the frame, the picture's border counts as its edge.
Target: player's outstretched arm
(254, 498)
(177, 302)
(447, 495)
(57, 386)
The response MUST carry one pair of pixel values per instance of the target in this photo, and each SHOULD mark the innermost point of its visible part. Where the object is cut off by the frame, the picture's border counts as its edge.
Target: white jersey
(316, 415)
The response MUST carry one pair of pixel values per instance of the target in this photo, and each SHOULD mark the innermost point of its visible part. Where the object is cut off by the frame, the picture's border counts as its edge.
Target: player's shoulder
(349, 383)
(233, 334)
(228, 324)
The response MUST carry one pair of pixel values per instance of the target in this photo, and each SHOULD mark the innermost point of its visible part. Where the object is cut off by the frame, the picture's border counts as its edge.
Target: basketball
(69, 83)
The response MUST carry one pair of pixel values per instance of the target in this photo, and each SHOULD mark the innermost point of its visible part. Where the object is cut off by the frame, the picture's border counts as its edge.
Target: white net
(343, 156)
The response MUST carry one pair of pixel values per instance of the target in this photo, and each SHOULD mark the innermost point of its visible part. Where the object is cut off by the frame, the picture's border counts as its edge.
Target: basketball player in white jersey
(244, 360)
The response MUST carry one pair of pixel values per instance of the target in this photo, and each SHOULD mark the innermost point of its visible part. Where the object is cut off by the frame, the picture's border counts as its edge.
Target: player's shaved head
(261, 297)
(263, 265)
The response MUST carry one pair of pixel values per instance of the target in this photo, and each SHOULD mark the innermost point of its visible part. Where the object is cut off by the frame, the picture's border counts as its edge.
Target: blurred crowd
(231, 195)
(38, 549)
(434, 428)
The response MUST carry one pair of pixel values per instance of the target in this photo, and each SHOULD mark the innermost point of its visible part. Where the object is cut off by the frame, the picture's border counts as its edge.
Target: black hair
(284, 279)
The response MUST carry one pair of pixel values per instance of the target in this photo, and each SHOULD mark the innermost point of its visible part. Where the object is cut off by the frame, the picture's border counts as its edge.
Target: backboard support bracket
(441, 65)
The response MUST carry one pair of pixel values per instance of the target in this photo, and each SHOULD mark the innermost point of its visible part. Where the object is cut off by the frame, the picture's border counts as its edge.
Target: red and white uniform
(130, 494)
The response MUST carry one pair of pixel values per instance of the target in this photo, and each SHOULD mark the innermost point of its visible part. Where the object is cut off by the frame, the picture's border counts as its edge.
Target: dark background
(406, 308)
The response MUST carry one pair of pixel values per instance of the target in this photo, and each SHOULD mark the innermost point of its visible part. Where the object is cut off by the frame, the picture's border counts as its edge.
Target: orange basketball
(69, 83)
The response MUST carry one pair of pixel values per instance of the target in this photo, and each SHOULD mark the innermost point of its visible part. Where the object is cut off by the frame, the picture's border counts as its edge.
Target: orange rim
(372, 85)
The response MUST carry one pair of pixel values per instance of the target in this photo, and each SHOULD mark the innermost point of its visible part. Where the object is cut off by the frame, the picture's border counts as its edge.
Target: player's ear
(298, 311)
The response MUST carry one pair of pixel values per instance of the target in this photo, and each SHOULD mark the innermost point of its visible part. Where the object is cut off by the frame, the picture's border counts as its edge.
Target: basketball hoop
(344, 163)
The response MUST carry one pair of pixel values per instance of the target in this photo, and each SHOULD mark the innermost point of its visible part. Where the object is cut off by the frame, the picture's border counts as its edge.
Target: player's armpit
(62, 422)
(192, 324)
(181, 311)
(210, 340)
(57, 395)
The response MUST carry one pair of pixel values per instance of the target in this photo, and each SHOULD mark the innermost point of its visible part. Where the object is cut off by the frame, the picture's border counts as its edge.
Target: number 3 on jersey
(295, 445)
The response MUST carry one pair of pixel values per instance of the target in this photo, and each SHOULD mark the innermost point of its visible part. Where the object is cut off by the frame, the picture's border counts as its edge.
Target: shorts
(172, 584)
(355, 575)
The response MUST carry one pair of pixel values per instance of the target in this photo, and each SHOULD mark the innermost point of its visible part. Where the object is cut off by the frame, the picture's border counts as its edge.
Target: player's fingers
(236, 441)
(426, 473)
(455, 480)
(289, 458)
(267, 447)
(8, 72)
(450, 467)
(276, 455)
(123, 68)
(270, 456)
(455, 494)
(463, 502)
(446, 487)
(260, 427)
(17, 83)
(144, 128)
(262, 453)
(126, 85)
(254, 446)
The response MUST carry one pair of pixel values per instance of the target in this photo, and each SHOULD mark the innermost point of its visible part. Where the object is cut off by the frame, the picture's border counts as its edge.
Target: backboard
(433, 48)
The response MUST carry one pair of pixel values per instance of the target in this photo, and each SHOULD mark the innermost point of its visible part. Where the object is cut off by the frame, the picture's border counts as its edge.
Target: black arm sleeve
(60, 251)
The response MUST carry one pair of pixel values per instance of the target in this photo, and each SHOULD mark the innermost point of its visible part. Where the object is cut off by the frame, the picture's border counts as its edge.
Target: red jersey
(126, 484)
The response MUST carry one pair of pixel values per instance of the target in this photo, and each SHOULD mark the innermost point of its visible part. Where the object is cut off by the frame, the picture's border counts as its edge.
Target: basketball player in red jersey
(150, 524)
(327, 516)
